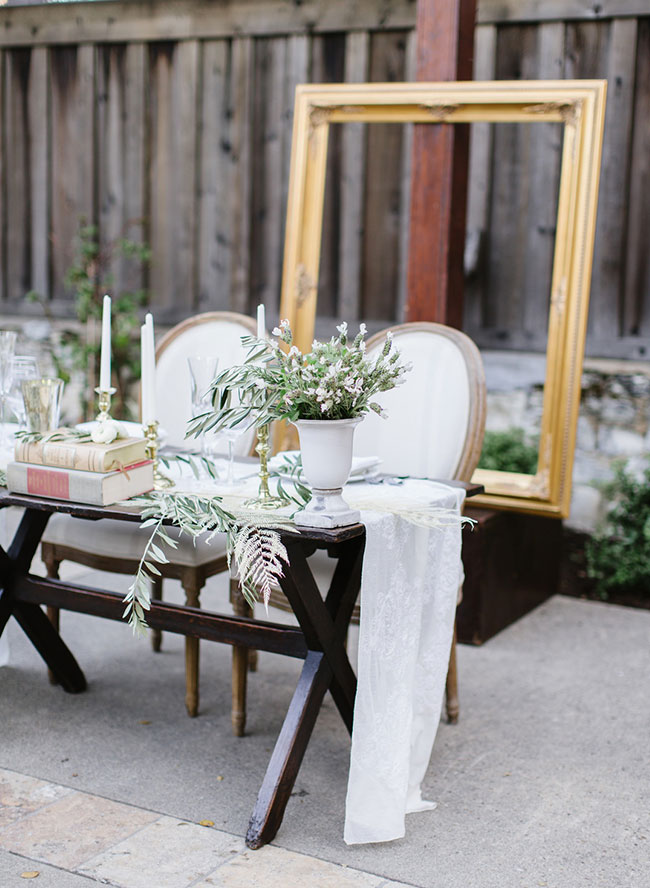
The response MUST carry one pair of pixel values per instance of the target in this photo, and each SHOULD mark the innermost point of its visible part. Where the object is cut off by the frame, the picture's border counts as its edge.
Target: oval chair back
(211, 333)
(436, 418)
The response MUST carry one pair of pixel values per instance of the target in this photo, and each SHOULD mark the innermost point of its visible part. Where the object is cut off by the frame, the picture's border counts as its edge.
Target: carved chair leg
(240, 665)
(156, 595)
(192, 587)
(453, 707)
(53, 613)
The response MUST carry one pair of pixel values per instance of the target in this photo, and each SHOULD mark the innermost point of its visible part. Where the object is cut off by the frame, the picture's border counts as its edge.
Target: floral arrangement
(335, 380)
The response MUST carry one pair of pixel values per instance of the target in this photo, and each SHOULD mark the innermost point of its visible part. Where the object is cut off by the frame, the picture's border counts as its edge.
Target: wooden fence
(176, 117)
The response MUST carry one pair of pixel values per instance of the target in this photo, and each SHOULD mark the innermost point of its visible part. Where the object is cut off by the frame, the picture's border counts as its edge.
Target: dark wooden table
(319, 640)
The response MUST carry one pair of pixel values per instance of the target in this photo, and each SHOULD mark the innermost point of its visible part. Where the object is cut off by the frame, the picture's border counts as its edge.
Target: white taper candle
(261, 322)
(150, 373)
(105, 359)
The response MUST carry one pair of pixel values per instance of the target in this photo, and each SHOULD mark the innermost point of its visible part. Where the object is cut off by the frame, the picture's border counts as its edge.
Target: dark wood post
(445, 41)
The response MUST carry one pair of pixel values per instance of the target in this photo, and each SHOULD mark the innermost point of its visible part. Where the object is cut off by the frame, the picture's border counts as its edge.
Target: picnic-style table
(319, 638)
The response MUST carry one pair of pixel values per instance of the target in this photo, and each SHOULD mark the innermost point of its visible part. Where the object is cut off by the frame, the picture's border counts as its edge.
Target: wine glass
(203, 369)
(23, 367)
(7, 348)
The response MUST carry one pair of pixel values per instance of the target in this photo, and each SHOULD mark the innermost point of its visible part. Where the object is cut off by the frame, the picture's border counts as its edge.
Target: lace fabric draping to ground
(411, 576)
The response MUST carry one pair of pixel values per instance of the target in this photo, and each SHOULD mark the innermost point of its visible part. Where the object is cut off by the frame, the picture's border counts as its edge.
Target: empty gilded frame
(579, 105)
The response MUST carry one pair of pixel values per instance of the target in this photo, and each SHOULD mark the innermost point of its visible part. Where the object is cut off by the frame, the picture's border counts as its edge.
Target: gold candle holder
(160, 481)
(264, 499)
(104, 403)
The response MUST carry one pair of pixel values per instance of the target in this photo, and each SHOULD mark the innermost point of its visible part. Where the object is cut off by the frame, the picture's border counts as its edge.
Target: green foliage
(618, 557)
(508, 452)
(90, 278)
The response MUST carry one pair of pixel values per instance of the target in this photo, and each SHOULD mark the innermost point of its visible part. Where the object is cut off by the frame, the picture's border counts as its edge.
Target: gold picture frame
(580, 106)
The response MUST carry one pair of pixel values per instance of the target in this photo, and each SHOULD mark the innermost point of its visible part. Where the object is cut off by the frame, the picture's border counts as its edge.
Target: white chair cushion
(123, 539)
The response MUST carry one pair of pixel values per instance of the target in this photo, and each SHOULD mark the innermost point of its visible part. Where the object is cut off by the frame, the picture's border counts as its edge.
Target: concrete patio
(544, 781)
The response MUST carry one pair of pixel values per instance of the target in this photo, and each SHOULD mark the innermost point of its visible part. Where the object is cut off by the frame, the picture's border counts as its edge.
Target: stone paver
(168, 853)
(20, 795)
(13, 868)
(272, 867)
(73, 829)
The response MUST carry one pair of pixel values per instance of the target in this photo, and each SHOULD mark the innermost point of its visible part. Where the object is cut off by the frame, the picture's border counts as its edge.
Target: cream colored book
(93, 488)
(85, 456)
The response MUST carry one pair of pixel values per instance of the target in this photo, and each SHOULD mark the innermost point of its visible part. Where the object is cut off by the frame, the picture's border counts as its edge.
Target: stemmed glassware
(23, 367)
(203, 369)
(7, 349)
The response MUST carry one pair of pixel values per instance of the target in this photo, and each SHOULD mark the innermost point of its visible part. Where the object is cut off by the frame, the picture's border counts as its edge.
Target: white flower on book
(107, 431)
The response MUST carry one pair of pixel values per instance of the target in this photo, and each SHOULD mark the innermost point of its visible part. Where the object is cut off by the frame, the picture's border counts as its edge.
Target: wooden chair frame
(192, 578)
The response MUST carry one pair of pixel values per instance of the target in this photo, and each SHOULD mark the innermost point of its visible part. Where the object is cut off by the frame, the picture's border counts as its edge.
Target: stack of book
(81, 471)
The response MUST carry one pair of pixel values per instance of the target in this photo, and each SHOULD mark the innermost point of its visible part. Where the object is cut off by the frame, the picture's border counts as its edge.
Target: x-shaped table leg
(324, 624)
(47, 641)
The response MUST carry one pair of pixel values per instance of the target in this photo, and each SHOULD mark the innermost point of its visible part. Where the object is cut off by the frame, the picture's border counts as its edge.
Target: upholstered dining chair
(434, 429)
(115, 546)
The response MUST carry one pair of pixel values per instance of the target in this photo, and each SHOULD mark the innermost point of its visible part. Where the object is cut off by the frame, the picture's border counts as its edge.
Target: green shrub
(618, 557)
(508, 452)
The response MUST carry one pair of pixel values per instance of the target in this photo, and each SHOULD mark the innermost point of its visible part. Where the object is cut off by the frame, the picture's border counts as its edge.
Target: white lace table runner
(409, 588)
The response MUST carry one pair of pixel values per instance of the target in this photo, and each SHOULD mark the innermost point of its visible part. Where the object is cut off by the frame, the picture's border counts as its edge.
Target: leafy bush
(618, 557)
(508, 452)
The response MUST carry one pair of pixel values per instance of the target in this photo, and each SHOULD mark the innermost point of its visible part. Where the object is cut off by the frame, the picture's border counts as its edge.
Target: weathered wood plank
(327, 66)
(505, 273)
(607, 293)
(544, 178)
(72, 183)
(240, 112)
(17, 186)
(37, 113)
(172, 184)
(120, 155)
(410, 67)
(154, 20)
(380, 283)
(479, 186)
(267, 215)
(3, 181)
(213, 196)
(352, 179)
(636, 316)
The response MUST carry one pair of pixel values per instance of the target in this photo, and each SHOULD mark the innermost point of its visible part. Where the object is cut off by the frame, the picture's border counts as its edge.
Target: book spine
(79, 486)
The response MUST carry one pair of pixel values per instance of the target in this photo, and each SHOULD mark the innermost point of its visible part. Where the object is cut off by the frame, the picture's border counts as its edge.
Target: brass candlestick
(264, 499)
(160, 481)
(104, 403)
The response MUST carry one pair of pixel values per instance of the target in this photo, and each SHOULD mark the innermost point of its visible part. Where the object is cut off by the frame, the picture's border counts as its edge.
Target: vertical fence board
(380, 283)
(637, 268)
(410, 65)
(544, 176)
(327, 66)
(72, 183)
(37, 111)
(478, 195)
(17, 188)
(352, 158)
(240, 113)
(173, 171)
(214, 208)
(505, 276)
(608, 265)
(267, 235)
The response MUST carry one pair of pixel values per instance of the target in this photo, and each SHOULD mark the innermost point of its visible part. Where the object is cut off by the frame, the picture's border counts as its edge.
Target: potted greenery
(324, 393)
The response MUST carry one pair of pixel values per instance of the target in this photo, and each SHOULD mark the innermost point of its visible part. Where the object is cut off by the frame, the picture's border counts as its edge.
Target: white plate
(132, 429)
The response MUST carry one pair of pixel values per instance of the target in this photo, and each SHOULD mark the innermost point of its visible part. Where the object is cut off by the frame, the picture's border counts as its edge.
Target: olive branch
(252, 539)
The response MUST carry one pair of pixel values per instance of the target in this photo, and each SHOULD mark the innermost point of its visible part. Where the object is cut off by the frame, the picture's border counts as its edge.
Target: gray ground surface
(544, 782)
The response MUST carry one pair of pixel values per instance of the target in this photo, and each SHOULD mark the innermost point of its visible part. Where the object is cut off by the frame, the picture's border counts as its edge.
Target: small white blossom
(363, 329)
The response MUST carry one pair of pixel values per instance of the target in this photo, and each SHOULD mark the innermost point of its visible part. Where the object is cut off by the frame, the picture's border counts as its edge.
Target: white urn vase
(326, 450)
